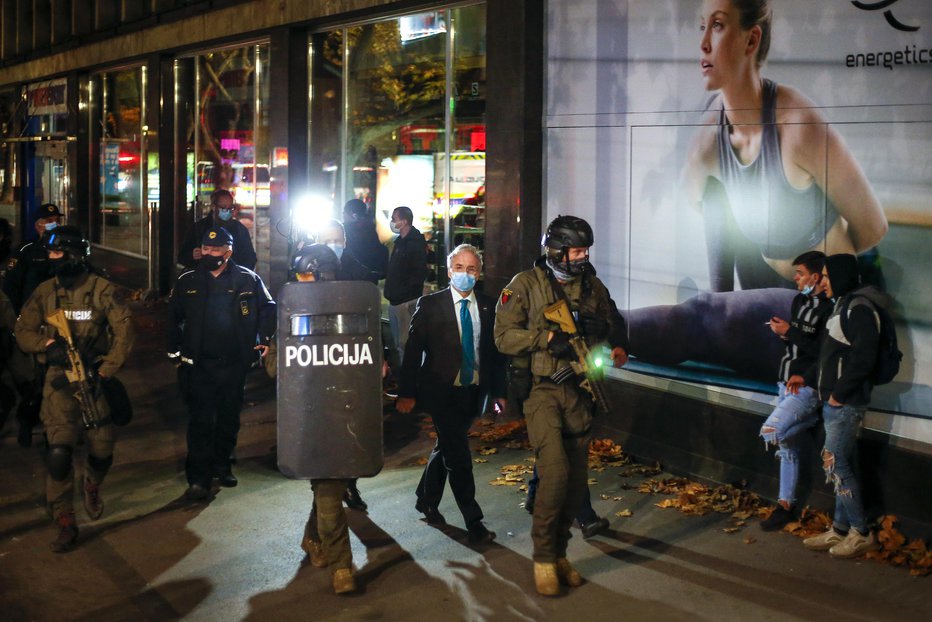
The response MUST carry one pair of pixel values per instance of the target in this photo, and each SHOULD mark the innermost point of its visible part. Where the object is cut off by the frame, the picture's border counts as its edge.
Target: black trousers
(451, 456)
(213, 391)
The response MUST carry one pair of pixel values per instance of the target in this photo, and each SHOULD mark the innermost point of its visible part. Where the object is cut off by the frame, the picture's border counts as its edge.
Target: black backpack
(889, 356)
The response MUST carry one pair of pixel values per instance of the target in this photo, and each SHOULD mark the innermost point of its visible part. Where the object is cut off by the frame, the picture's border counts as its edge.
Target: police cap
(217, 236)
(47, 210)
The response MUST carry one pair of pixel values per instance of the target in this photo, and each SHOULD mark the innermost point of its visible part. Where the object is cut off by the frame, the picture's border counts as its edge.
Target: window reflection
(409, 95)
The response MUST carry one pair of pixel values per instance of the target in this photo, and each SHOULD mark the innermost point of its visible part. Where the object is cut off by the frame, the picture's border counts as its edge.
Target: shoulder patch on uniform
(506, 295)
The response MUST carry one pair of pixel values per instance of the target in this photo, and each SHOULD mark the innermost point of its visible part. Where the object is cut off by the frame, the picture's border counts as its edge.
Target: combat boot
(313, 548)
(67, 533)
(93, 502)
(567, 574)
(545, 579)
(315, 552)
(343, 581)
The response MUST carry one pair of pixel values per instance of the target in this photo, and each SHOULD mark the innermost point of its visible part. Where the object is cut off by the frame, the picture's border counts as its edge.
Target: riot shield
(329, 380)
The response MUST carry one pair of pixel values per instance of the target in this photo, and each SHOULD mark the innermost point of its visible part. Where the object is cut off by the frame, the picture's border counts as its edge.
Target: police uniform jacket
(253, 309)
(28, 267)
(99, 320)
(243, 252)
(435, 339)
(522, 329)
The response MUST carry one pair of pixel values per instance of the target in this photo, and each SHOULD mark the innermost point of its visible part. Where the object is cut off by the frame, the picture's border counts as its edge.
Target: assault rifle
(78, 374)
(586, 367)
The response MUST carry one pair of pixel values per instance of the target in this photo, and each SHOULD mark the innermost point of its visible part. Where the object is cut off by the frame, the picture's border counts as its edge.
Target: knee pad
(58, 461)
(101, 465)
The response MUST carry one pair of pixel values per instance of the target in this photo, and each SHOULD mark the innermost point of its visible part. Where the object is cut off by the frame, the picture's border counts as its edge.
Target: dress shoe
(67, 533)
(777, 519)
(353, 500)
(594, 527)
(479, 534)
(545, 579)
(567, 574)
(343, 581)
(227, 480)
(432, 514)
(93, 502)
(196, 492)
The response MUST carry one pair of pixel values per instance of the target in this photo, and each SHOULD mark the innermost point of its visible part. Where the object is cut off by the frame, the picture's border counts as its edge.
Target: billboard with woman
(714, 141)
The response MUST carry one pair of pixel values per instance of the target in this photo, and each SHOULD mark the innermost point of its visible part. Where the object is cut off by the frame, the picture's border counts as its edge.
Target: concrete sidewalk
(154, 556)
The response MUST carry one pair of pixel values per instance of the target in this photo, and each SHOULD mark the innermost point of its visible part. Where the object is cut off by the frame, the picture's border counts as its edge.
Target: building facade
(129, 115)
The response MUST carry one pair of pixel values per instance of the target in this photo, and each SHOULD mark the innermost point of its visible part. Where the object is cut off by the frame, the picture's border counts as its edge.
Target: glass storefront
(408, 94)
(222, 131)
(117, 123)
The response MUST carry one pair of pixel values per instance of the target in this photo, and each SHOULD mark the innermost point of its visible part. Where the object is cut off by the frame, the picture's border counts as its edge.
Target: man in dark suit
(453, 384)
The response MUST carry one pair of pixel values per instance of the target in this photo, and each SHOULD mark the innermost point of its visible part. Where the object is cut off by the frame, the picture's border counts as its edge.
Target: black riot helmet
(564, 233)
(69, 240)
(316, 259)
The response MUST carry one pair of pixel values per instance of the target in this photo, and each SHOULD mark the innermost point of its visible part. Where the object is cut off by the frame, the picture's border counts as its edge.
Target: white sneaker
(854, 545)
(824, 541)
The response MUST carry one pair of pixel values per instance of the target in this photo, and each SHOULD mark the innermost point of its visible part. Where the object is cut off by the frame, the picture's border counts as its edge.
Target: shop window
(409, 95)
(224, 135)
(122, 221)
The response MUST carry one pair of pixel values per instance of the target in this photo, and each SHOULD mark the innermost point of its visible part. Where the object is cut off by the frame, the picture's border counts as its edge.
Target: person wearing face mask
(407, 271)
(29, 265)
(102, 330)
(222, 208)
(843, 376)
(26, 269)
(558, 412)
(797, 407)
(333, 237)
(222, 319)
(451, 367)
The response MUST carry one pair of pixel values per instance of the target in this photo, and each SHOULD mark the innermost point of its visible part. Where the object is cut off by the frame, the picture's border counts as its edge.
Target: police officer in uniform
(102, 331)
(326, 535)
(559, 416)
(28, 267)
(222, 317)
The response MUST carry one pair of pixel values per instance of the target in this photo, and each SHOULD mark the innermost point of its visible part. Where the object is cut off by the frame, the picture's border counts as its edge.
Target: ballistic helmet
(567, 232)
(318, 260)
(69, 240)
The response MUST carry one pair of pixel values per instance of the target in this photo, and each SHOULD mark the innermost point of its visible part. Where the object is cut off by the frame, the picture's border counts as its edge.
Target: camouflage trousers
(558, 424)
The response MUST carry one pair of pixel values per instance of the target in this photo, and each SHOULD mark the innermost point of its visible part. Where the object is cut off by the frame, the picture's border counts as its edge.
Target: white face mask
(396, 228)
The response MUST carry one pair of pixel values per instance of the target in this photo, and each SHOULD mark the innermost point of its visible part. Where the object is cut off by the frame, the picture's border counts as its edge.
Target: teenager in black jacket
(847, 356)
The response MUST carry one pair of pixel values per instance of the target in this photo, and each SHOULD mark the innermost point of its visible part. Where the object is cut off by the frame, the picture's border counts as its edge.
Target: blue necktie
(469, 349)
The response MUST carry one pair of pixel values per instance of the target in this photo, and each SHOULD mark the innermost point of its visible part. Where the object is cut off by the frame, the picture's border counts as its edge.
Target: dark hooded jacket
(847, 358)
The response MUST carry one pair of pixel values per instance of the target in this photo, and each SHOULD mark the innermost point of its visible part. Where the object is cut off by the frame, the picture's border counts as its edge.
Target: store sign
(48, 97)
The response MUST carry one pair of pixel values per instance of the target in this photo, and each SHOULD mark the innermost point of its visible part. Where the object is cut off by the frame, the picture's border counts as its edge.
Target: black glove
(594, 327)
(560, 346)
(57, 353)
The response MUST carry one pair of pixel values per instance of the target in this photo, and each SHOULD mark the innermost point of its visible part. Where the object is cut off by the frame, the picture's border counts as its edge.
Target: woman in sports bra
(790, 182)
(773, 180)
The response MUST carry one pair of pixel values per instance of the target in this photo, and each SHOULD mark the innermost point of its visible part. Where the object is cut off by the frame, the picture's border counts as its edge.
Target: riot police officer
(558, 412)
(100, 324)
(326, 535)
(222, 316)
